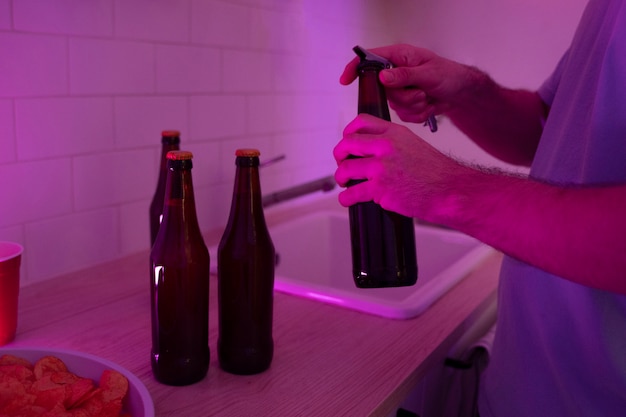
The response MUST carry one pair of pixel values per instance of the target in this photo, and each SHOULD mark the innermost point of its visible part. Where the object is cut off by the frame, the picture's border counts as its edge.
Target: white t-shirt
(560, 347)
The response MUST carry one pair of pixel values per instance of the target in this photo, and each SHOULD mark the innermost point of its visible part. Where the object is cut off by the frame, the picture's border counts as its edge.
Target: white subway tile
(12, 234)
(68, 243)
(207, 163)
(279, 4)
(293, 113)
(361, 13)
(342, 35)
(297, 73)
(35, 190)
(319, 152)
(37, 65)
(187, 69)
(247, 71)
(7, 138)
(221, 24)
(111, 67)
(113, 178)
(213, 206)
(322, 154)
(77, 17)
(217, 116)
(264, 115)
(287, 112)
(5, 14)
(139, 121)
(134, 227)
(279, 31)
(306, 111)
(160, 20)
(63, 126)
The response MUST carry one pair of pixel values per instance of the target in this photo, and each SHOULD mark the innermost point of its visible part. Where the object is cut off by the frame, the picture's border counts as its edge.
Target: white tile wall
(276, 30)
(134, 227)
(7, 138)
(187, 69)
(87, 86)
(157, 20)
(231, 121)
(35, 190)
(50, 127)
(92, 18)
(32, 65)
(247, 71)
(105, 179)
(70, 242)
(220, 23)
(100, 66)
(5, 14)
(138, 120)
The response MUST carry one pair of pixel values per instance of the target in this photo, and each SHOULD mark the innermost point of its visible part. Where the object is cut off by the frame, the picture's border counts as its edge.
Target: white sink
(315, 262)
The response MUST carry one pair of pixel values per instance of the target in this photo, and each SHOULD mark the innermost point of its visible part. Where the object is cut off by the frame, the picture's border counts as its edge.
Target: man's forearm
(505, 123)
(574, 232)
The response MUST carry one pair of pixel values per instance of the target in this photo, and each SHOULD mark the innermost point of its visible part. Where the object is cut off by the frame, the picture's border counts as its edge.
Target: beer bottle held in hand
(245, 270)
(383, 242)
(179, 283)
(170, 141)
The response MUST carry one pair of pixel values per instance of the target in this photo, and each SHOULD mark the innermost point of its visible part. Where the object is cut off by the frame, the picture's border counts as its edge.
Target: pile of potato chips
(48, 389)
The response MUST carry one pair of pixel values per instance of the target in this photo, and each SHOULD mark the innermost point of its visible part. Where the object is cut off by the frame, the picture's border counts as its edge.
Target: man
(560, 347)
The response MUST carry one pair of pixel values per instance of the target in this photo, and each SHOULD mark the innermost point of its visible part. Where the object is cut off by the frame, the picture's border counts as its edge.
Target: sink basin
(315, 262)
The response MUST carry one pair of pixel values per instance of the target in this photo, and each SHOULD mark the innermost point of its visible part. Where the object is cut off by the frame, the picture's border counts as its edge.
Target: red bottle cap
(179, 155)
(247, 152)
(170, 133)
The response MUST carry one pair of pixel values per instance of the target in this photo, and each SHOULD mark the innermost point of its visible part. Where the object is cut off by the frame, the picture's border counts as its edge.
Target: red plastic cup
(10, 258)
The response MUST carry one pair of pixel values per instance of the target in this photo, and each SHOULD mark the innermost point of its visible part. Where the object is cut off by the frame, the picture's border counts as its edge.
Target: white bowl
(137, 403)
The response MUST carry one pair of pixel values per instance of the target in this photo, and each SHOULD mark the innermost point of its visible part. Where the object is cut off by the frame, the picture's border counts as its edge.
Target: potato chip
(20, 372)
(79, 412)
(78, 391)
(49, 394)
(14, 360)
(10, 389)
(114, 385)
(48, 364)
(112, 408)
(30, 411)
(48, 389)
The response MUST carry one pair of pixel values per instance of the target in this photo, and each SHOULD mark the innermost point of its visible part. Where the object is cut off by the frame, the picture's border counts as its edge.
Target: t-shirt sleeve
(547, 91)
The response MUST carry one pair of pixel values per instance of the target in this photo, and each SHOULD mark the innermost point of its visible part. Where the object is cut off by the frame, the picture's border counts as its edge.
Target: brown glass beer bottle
(245, 270)
(170, 140)
(383, 242)
(179, 283)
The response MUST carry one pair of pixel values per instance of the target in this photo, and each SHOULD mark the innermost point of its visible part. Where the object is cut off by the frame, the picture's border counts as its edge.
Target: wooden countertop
(328, 361)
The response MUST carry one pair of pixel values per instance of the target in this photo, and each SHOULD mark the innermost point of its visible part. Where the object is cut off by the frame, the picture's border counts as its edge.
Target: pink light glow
(87, 87)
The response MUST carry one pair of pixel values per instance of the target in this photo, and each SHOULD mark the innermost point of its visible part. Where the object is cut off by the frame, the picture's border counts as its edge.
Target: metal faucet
(324, 184)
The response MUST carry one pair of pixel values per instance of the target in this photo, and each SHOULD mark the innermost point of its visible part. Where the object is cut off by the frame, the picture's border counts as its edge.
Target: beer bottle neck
(247, 201)
(179, 204)
(372, 96)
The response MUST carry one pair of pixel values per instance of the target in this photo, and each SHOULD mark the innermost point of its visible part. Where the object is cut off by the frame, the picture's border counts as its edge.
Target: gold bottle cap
(170, 133)
(179, 155)
(247, 152)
